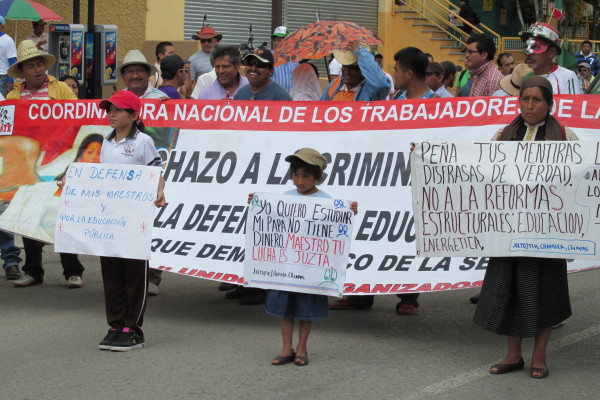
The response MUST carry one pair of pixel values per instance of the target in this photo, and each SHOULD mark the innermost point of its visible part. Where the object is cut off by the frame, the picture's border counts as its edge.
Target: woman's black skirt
(522, 295)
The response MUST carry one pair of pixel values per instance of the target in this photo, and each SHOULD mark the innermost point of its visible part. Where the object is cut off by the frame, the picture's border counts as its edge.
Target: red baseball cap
(123, 99)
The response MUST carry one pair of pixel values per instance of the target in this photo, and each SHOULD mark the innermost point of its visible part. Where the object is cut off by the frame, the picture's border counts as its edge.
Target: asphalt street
(201, 346)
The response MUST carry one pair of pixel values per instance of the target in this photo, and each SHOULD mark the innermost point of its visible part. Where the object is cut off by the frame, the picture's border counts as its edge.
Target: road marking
(483, 371)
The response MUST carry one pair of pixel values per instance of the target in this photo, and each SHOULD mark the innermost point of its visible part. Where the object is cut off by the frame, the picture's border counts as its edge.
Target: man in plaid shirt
(479, 57)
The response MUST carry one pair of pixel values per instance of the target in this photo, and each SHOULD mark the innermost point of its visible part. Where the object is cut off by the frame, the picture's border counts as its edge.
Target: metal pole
(276, 14)
(76, 11)
(95, 86)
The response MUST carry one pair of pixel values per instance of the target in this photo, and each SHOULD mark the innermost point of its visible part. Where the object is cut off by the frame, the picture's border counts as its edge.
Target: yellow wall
(164, 20)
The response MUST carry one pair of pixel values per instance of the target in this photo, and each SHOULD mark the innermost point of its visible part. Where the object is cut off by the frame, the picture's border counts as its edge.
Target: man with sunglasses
(200, 60)
(259, 70)
(479, 58)
(174, 74)
(585, 76)
(542, 46)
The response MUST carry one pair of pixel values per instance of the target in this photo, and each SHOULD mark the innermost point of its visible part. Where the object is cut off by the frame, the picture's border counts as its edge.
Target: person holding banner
(31, 67)
(126, 280)
(526, 296)
(307, 166)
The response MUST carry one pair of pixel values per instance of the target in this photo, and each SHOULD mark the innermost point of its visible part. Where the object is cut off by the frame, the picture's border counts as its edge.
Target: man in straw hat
(200, 60)
(361, 79)
(31, 66)
(511, 84)
(136, 72)
(542, 45)
(8, 54)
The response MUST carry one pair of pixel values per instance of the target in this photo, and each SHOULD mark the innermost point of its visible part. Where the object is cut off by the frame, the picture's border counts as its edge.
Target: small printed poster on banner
(107, 210)
(502, 199)
(298, 243)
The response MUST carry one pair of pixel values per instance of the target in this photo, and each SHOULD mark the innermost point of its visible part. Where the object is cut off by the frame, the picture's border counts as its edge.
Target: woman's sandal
(506, 368)
(281, 360)
(301, 361)
(544, 372)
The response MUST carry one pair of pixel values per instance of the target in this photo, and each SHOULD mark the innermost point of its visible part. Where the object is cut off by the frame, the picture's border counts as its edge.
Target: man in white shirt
(543, 44)
(8, 56)
(39, 37)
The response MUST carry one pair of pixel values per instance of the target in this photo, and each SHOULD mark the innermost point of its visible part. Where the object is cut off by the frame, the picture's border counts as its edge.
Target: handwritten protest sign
(298, 243)
(507, 199)
(107, 210)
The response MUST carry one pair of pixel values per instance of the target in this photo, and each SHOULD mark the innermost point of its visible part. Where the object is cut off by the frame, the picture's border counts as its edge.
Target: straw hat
(345, 57)
(511, 84)
(134, 57)
(26, 51)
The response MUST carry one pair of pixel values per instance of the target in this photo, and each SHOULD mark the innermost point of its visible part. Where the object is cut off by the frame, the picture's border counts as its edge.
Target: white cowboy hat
(134, 57)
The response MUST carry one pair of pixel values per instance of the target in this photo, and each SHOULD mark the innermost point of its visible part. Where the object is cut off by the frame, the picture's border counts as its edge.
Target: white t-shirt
(7, 50)
(563, 81)
(137, 150)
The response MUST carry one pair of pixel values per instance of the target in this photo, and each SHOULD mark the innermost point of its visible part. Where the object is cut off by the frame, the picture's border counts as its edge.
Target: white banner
(507, 199)
(107, 210)
(298, 243)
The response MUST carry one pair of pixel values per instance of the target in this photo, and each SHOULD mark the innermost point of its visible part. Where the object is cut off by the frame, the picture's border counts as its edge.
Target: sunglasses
(582, 69)
(257, 64)
(206, 40)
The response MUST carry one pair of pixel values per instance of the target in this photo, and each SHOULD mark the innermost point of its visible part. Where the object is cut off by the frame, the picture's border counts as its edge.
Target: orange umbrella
(321, 38)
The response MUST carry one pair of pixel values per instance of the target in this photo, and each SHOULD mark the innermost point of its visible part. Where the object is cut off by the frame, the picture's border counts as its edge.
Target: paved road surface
(201, 346)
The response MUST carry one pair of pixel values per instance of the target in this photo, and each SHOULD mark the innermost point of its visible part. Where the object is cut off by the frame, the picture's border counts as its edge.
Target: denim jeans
(10, 252)
(3, 83)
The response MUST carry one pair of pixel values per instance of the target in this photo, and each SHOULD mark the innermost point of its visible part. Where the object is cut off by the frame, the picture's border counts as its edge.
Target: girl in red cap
(126, 280)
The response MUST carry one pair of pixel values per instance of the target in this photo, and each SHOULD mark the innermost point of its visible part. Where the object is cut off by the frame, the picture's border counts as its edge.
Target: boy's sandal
(506, 368)
(301, 361)
(544, 372)
(280, 360)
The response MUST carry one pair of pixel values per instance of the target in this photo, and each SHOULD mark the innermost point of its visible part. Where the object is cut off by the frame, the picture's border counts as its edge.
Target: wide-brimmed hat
(134, 57)
(207, 32)
(511, 84)
(544, 31)
(26, 51)
(123, 99)
(309, 156)
(345, 57)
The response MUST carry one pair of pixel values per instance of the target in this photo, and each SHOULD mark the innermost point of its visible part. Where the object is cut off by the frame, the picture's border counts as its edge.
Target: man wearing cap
(479, 55)
(434, 78)
(506, 63)
(510, 85)
(542, 45)
(229, 80)
(361, 79)
(8, 56)
(282, 74)
(585, 77)
(200, 60)
(136, 72)
(586, 55)
(31, 66)
(259, 69)
(174, 74)
(39, 37)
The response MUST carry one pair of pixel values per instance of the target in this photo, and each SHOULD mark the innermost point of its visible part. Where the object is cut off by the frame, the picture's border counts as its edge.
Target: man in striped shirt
(282, 74)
